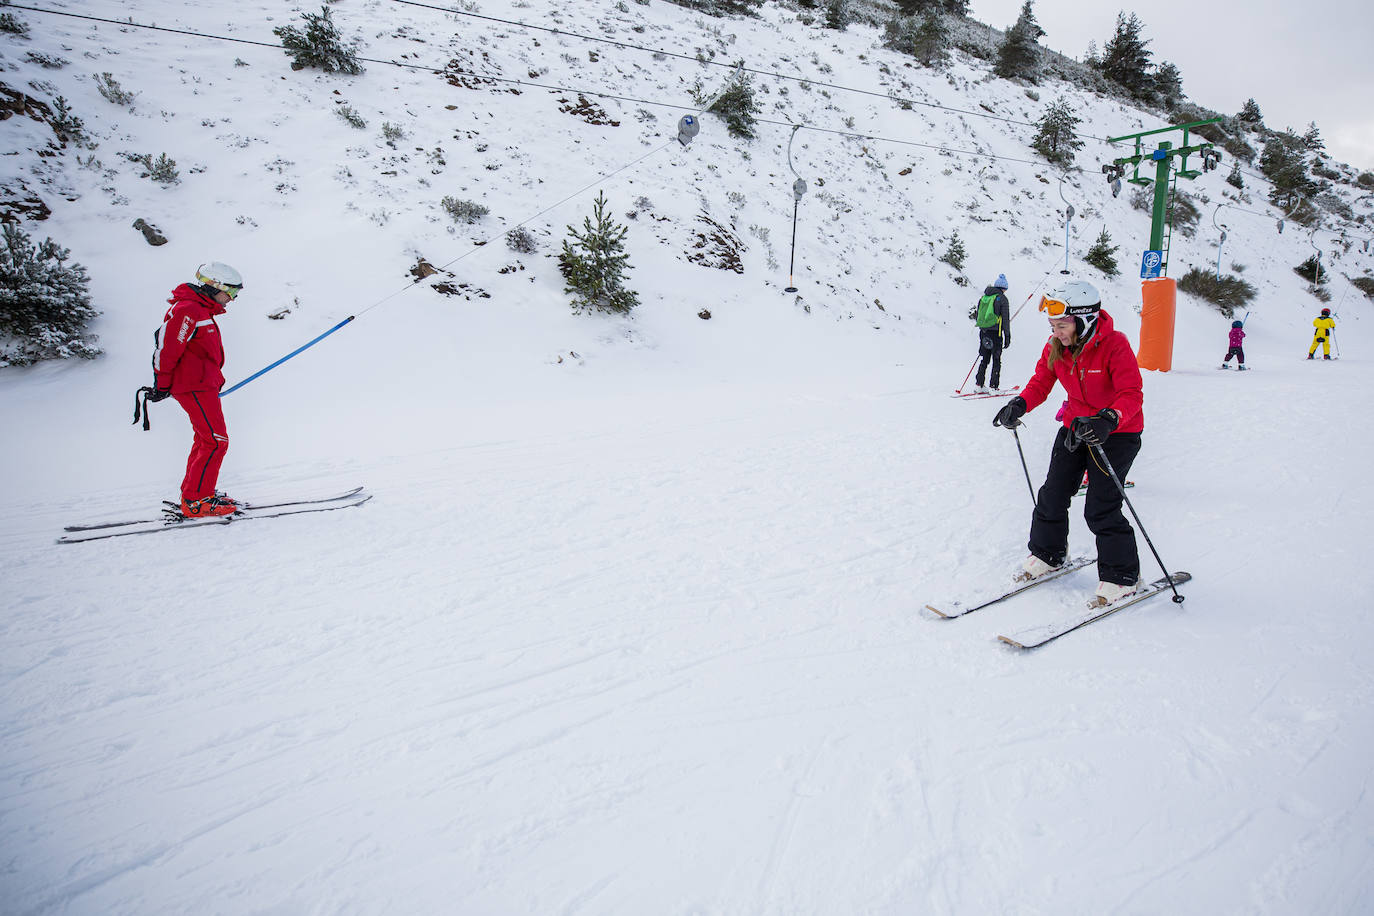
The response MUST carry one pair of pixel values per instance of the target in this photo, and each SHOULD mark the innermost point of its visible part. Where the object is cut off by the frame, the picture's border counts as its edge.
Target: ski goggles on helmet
(1053, 307)
(1058, 308)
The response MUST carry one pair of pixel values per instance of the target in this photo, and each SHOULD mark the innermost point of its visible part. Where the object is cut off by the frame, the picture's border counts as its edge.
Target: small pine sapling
(594, 261)
(1102, 254)
(954, 255)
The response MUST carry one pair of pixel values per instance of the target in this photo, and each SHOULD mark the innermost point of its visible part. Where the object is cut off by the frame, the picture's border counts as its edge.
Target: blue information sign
(1150, 264)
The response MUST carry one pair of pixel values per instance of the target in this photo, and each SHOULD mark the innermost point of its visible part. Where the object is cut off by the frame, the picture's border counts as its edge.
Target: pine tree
(1234, 179)
(1169, 84)
(738, 107)
(924, 37)
(1057, 136)
(1124, 58)
(594, 261)
(45, 304)
(954, 255)
(721, 7)
(1019, 55)
(320, 45)
(1312, 139)
(838, 15)
(1250, 113)
(1102, 254)
(1284, 162)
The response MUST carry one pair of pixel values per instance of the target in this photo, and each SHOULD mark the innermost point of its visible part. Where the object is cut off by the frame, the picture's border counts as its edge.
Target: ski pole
(960, 389)
(1178, 599)
(1020, 452)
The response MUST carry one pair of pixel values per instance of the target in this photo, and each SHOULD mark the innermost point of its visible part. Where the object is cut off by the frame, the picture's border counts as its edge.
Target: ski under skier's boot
(1326, 356)
(1310, 356)
(1033, 568)
(208, 507)
(1240, 368)
(1110, 593)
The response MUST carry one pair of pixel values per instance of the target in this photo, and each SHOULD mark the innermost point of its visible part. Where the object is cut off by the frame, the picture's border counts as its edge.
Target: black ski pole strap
(141, 409)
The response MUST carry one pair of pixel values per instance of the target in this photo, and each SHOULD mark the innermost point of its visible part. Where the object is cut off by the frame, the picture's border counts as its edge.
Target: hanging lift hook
(798, 191)
(1068, 218)
(1311, 240)
(1222, 228)
(1297, 202)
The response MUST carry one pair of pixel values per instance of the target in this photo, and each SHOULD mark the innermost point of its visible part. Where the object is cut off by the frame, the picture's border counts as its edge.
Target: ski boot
(1110, 593)
(209, 507)
(1033, 568)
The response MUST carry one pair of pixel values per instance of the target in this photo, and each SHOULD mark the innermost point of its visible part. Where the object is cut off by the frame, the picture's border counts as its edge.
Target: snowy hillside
(633, 622)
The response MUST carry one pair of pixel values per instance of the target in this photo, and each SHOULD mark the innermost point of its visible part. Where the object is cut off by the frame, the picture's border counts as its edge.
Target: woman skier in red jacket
(1097, 367)
(187, 365)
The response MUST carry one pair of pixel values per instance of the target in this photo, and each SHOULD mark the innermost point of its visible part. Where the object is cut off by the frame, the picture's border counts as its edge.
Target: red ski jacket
(189, 354)
(1104, 374)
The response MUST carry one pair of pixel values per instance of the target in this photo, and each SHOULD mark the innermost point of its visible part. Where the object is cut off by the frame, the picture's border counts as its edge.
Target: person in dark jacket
(993, 317)
(1097, 367)
(188, 365)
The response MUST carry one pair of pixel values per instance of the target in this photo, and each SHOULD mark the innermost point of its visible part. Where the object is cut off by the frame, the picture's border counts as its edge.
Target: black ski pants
(1117, 558)
(989, 348)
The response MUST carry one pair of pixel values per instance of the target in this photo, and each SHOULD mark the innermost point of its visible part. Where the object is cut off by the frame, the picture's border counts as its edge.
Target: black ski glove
(159, 394)
(1006, 342)
(1011, 413)
(1094, 430)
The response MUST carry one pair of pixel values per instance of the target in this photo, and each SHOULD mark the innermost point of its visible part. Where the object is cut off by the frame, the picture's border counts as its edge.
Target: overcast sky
(1308, 61)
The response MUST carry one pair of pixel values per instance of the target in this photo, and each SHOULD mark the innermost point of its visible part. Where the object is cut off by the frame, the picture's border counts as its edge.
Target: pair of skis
(976, 395)
(1034, 637)
(173, 520)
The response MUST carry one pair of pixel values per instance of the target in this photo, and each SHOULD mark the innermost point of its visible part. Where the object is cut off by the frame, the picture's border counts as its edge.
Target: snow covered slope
(633, 621)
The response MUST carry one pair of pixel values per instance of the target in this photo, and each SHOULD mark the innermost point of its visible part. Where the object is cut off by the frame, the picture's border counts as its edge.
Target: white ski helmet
(1078, 299)
(221, 277)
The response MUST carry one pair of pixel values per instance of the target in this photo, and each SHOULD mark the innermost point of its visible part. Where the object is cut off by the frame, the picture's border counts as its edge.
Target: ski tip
(939, 613)
(1011, 642)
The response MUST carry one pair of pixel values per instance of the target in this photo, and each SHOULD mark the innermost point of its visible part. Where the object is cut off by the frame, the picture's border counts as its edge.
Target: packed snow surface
(634, 621)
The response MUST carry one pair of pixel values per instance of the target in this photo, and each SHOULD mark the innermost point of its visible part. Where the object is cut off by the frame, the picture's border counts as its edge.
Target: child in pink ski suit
(1236, 339)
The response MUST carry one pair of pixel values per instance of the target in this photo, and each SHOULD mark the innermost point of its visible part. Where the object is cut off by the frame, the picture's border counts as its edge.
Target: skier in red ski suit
(187, 365)
(1101, 378)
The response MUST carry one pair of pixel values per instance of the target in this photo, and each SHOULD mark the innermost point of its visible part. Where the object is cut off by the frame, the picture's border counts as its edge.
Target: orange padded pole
(1158, 298)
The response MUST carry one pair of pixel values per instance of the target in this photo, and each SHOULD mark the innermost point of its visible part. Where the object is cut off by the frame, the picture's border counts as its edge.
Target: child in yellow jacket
(1322, 335)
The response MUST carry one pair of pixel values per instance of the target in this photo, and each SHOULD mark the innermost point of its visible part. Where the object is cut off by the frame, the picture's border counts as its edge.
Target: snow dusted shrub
(594, 261)
(463, 211)
(522, 240)
(113, 92)
(319, 45)
(12, 25)
(46, 61)
(1227, 293)
(351, 117)
(163, 169)
(391, 133)
(1102, 254)
(1364, 284)
(1311, 270)
(45, 304)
